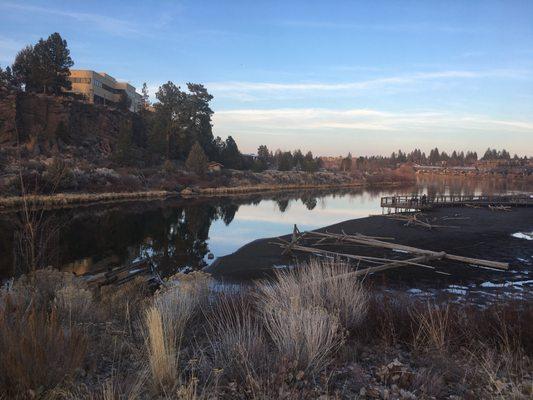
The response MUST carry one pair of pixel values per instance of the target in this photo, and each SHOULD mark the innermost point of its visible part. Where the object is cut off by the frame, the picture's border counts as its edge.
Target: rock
(186, 192)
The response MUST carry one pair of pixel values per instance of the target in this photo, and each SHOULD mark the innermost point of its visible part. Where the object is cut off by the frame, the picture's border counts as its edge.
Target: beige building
(101, 88)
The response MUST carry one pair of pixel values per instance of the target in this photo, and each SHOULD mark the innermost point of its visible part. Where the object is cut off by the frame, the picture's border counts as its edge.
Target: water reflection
(181, 233)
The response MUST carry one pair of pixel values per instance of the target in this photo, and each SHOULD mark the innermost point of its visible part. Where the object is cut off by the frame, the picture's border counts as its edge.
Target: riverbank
(66, 199)
(476, 233)
(58, 200)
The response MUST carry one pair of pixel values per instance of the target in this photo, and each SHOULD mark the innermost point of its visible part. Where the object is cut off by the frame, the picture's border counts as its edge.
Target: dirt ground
(477, 233)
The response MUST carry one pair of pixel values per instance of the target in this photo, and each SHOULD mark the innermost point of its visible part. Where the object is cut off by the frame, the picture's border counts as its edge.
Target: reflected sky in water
(266, 219)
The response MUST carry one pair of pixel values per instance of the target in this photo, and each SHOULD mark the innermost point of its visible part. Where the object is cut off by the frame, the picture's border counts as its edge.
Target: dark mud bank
(478, 233)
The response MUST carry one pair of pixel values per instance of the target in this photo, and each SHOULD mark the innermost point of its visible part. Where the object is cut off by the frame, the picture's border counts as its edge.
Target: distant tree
(197, 160)
(504, 155)
(145, 97)
(231, 156)
(170, 102)
(309, 163)
(196, 119)
(6, 77)
(45, 67)
(434, 156)
(298, 159)
(262, 160)
(284, 161)
(346, 163)
(263, 154)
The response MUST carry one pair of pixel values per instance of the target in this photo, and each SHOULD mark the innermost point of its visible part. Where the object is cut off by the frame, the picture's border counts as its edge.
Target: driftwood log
(422, 256)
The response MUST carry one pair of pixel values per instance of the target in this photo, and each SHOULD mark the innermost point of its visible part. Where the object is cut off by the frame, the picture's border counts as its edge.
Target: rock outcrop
(45, 124)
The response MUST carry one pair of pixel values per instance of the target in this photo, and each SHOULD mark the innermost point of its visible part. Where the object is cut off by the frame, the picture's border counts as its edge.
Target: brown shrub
(36, 351)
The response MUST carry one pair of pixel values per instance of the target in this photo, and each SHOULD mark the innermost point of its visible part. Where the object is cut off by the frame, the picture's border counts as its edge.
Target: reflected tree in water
(227, 212)
(309, 202)
(283, 205)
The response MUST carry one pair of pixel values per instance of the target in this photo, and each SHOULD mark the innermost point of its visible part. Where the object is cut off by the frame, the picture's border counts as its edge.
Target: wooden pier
(426, 202)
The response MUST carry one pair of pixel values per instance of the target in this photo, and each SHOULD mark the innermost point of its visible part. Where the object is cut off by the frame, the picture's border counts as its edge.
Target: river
(178, 234)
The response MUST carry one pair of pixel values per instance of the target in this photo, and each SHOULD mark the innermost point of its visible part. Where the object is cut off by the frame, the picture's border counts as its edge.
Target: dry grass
(36, 351)
(237, 340)
(166, 320)
(433, 324)
(64, 199)
(306, 309)
(320, 283)
(161, 346)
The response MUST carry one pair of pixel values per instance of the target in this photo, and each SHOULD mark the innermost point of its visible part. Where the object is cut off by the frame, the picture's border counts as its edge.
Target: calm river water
(178, 233)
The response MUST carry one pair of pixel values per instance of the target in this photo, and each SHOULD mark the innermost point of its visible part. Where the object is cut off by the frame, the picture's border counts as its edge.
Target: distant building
(214, 166)
(101, 88)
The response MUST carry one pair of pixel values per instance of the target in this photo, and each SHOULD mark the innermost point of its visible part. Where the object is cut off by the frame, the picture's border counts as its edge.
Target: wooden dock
(426, 202)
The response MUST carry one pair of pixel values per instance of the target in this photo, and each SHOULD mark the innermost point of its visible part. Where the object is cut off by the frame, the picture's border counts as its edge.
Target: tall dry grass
(306, 309)
(432, 327)
(237, 340)
(36, 351)
(166, 320)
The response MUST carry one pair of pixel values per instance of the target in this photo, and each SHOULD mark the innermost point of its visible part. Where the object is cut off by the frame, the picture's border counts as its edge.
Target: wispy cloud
(318, 119)
(250, 87)
(112, 25)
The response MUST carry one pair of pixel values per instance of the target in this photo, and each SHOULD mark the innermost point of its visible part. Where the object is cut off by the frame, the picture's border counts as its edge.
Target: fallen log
(361, 239)
(369, 259)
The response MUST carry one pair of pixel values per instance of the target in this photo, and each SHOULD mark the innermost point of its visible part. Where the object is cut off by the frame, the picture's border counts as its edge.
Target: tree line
(435, 157)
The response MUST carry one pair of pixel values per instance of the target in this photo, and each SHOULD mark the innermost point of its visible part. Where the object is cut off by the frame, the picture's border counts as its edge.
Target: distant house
(214, 166)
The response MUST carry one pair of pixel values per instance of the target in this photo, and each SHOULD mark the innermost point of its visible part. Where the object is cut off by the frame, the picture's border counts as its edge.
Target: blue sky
(367, 77)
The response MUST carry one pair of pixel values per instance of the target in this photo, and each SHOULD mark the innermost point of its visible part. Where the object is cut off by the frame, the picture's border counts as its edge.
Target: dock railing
(425, 201)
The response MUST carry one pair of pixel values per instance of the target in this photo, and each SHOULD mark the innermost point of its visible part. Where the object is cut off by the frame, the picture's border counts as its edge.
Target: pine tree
(44, 67)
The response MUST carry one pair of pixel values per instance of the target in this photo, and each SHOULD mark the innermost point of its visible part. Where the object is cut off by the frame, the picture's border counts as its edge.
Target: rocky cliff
(47, 124)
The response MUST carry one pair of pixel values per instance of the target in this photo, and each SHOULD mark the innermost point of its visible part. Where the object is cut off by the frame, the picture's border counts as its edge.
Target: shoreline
(60, 200)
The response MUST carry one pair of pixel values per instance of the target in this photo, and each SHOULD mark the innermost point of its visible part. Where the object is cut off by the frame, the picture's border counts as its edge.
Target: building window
(80, 80)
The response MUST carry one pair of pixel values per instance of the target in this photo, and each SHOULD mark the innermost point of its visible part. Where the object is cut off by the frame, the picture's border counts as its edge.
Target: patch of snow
(414, 291)
(523, 235)
(517, 284)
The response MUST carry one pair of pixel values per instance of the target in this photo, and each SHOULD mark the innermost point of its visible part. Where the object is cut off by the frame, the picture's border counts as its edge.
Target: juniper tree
(197, 160)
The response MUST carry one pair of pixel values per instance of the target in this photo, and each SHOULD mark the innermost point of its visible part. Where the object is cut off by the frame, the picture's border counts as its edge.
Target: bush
(306, 309)
(40, 347)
